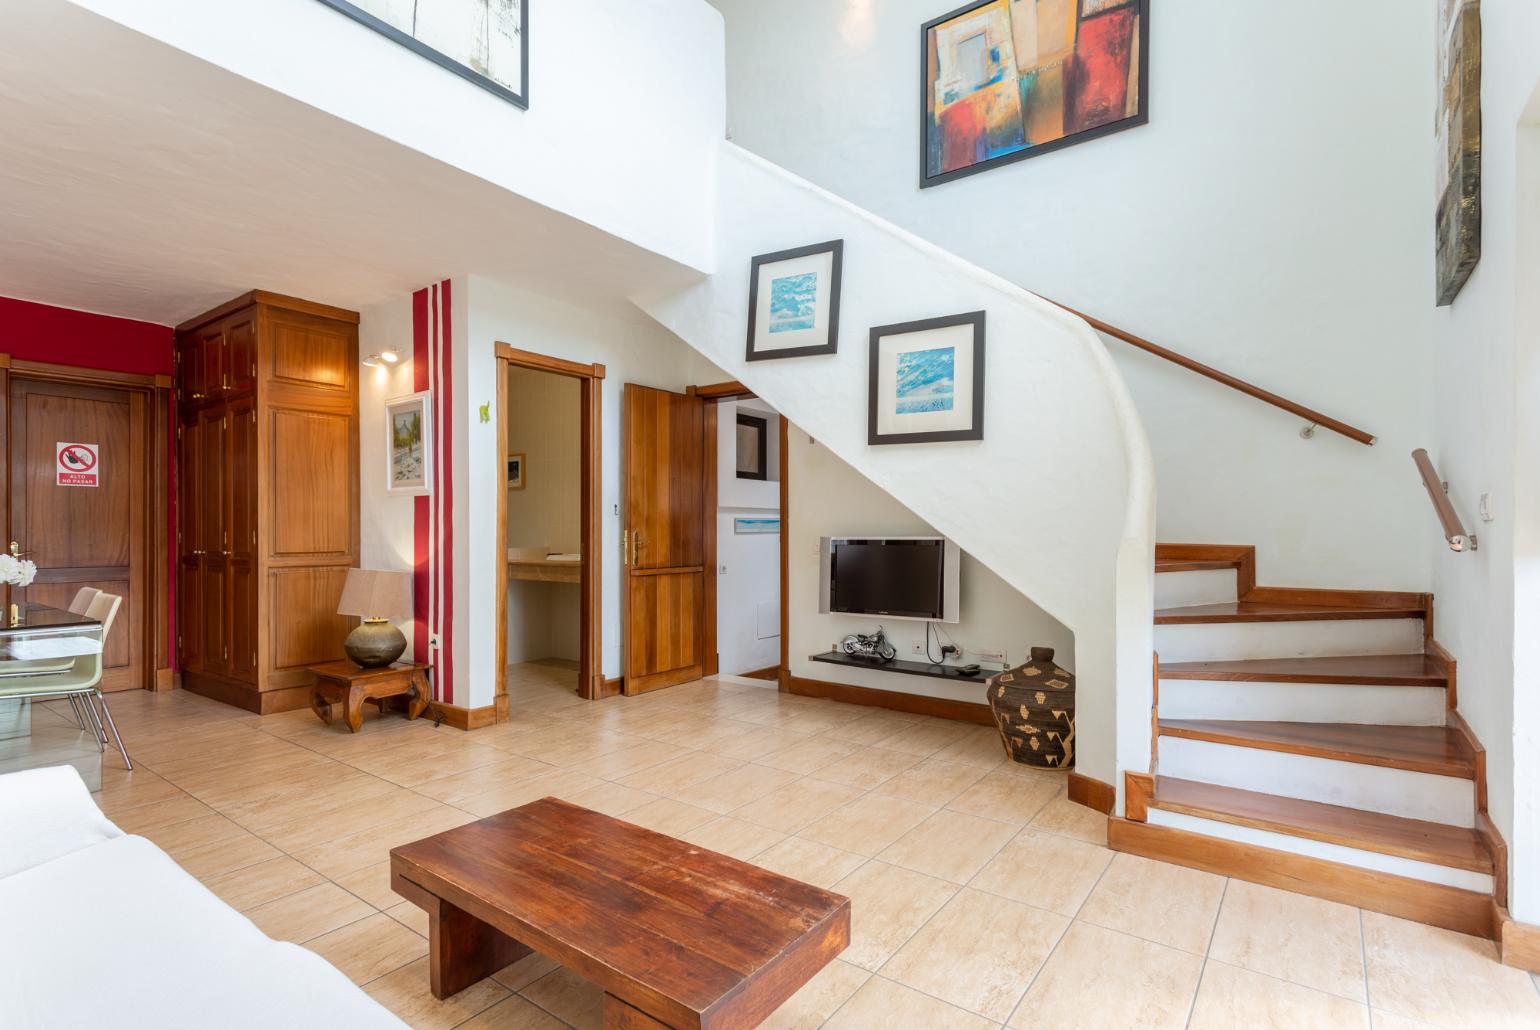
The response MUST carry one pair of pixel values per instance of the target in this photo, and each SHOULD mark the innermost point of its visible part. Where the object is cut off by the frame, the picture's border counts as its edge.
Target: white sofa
(99, 928)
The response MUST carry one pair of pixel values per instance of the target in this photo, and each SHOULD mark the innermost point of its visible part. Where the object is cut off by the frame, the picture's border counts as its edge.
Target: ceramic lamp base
(374, 644)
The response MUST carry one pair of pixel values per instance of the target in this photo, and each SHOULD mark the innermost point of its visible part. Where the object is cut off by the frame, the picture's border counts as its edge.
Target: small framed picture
(752, 430)
(794, 302)
(409, 444)
(926, 381)
(515, 471)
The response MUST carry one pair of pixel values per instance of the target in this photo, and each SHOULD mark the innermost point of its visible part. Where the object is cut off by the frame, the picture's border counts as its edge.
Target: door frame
(158, 391)
(591, 615)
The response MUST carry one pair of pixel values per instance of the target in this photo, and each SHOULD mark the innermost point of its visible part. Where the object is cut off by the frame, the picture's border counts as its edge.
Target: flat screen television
(893, 577)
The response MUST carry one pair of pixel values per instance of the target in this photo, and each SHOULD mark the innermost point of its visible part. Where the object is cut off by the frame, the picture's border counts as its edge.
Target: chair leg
(80, 719)
(96, 722)
(102, 700)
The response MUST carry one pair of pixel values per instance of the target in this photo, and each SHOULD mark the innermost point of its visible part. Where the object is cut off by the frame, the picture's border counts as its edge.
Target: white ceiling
(136, 180)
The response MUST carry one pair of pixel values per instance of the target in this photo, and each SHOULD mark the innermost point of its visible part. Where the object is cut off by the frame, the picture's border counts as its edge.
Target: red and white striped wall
(433, 515)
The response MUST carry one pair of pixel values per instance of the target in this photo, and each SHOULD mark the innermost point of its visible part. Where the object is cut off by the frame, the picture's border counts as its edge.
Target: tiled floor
(981, 896)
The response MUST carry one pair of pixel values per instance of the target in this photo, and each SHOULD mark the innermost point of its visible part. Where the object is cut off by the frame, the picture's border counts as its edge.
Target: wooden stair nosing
(1455, 847)
(1253, 611)
(1181, 565)
(1436, 750)
(1402, 670)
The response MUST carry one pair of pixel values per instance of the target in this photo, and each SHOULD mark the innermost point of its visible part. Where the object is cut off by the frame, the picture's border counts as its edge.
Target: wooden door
(189, 583)
(86, 535)
(664, 538)
(212, 549)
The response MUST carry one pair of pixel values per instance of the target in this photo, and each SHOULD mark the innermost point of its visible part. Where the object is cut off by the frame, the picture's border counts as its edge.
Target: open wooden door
(664, 538)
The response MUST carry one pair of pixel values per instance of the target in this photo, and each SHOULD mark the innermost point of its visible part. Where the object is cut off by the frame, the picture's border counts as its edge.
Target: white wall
(1487, 441)
(748, 565)
(829, 498)
(1274, 219)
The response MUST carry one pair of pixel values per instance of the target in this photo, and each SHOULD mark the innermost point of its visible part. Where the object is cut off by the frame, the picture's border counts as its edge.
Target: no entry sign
(78, 464)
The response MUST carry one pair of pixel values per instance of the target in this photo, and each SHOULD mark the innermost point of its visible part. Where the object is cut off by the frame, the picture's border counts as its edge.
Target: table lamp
(376, 597)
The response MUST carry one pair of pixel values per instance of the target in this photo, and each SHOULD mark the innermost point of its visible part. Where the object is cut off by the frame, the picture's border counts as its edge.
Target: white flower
(16, 572)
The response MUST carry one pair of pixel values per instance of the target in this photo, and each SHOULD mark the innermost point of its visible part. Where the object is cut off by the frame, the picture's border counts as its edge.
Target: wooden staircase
(1309, 739)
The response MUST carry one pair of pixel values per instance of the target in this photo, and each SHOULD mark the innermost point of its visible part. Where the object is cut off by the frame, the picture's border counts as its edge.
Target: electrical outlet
(988, 655)
(915, 647)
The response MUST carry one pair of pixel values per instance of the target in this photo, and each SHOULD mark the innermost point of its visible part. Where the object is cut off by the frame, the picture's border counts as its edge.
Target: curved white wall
(1058, 499)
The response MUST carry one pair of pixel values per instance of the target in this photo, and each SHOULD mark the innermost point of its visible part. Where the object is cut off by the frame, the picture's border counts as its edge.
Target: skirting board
(1518, 943)
(612, 688)
(465, 718)
(771, 672)
(1083, 790)
(1435, 904)
(916, 704)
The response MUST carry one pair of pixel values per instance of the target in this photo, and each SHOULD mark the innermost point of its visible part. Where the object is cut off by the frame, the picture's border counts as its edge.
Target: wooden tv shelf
(940, 672)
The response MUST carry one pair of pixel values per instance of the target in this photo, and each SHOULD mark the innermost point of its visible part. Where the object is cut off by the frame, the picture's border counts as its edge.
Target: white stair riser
(1413, 795)
(1319, 638)
(1395, 865)
(1206, 586)
(1302, 702)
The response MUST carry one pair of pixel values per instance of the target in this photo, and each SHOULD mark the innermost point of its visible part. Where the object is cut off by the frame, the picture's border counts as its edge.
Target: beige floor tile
(267, 881)
(372, 846)
(817, 864)
(887, 906)
(884, 1005)
(735, 789)
(679, 773)
(979, 953)
(1068, 819)
(819, 998)
(1010, 796)
(369, 948)
(123, 791)
(160, 815)
(309, 914)
(748, 741)
(569, 998)
(405, 992)
(951, 845)
(371, 884)
(522, 791)
(1383, 1020)
(410, 916)
(345, 818)
(610, 798)
(932, 782)
(1045, 871)
(467, 784)
(514, 1014)
(872, 727)
(1125, 981)
(517, 975)
(1442, 977)
(1230, 997)
(670, 817)
(210, 860)
(868, 767)
(981, 747)
(736, 837)
(1163, 903)
(925, 737)
(1307, 941)
(790, 808)
(868, 824)
(809, 755)
(645, 754)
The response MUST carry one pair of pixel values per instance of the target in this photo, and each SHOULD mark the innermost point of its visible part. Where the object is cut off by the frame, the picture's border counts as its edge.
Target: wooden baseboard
(916, 704)
(1138, 789)
(1092, 793)
(1435, 904)
(165, 680)
(769, 672)
(613, 688)
(465, 718)
(1518, 943)
(264, 702)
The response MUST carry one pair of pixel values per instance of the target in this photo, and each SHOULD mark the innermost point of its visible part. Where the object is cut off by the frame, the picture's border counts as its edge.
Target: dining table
(36, 638)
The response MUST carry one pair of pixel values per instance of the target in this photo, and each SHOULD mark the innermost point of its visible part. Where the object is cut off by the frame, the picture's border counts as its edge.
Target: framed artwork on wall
(409, 444)
(794, 302)
(753, 430)
(1005, 80)
(1458, 159)
(926, 381)
(515, 471)
(483, 41)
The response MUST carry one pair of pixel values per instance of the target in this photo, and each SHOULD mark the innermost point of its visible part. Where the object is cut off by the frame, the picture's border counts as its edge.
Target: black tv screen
(888, 577)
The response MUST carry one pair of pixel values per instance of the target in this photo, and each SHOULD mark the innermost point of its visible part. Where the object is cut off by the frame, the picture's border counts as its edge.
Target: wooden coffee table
(351, 685)
(677, 936)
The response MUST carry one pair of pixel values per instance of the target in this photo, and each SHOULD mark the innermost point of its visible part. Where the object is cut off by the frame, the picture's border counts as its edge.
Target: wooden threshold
(1438, 750)
(1390, 670)
(1435, 904)
(1266, 611)
(1455, 847)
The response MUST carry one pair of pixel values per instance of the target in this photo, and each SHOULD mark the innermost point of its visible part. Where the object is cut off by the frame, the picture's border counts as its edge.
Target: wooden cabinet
(268, 519)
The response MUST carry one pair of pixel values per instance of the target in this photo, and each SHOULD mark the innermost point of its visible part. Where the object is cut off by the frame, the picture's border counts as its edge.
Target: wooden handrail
(1438, 493)
(1315, 418)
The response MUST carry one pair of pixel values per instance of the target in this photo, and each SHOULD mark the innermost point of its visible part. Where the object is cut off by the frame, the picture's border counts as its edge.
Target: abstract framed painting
(926, 381)
(1005, 80)
(483, 41)
(1457, 222)
(794, 302)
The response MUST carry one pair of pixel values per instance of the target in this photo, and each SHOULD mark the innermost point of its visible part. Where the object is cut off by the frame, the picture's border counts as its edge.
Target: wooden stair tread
(1430, 749)
(1258, 611)
(1182, 565)
(1396, 670)
(1456, 847)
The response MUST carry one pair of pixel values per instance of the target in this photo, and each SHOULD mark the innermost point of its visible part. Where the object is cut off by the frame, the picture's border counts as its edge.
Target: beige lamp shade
(372, 594)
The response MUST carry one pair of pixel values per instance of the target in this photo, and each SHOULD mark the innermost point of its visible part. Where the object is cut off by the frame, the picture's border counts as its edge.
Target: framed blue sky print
(927, 381)
(794, 302)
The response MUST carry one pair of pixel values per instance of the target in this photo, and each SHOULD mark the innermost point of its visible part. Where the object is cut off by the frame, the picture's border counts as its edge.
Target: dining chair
(83, 598)
(78, 606)
(82, 681)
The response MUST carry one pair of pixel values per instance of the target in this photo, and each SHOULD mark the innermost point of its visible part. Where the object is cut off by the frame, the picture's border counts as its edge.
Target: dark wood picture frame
(762, 427)
(976, 430)
(519, 99)
(928, 180)
(834, 247)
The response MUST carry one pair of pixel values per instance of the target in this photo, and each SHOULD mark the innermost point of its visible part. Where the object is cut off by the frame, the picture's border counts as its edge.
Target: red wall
(38, 332)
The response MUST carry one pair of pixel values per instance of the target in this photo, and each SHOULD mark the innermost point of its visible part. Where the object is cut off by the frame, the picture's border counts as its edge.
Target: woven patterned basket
(1034, 706)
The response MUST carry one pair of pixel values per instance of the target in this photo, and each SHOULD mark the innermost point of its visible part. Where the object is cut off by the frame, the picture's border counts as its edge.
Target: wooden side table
(346, 683)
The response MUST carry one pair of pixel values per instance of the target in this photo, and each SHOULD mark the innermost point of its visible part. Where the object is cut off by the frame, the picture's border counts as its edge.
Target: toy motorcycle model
(869, 645)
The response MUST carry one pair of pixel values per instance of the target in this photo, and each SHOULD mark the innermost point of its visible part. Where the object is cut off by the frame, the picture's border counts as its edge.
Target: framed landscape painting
(926, 381)
(794, 302)
(408, 444)
(483, 41)
(1458, 132)
(1005, 80)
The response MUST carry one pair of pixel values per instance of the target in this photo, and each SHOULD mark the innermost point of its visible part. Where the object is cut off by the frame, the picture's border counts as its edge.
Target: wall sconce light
(384, 358)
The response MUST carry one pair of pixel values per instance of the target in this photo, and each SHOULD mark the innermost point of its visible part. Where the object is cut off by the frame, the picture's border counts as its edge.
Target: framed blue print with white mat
(794, 302)
(926, 381)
